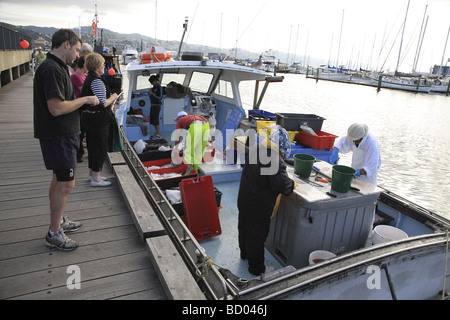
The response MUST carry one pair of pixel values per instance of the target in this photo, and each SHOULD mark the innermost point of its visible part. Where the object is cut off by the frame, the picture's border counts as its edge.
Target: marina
(166, 230)
(125, 227)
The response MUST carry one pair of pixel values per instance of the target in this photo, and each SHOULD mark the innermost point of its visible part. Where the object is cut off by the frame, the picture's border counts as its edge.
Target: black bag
(115, 143)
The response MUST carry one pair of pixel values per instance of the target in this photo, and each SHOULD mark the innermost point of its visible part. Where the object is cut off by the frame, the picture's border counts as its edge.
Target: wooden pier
(112, 262)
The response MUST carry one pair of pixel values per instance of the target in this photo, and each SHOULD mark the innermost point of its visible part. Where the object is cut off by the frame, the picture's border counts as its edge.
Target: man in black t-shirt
(57, 126)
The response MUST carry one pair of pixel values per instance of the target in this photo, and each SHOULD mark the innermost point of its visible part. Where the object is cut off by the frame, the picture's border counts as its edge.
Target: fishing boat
(365, 263)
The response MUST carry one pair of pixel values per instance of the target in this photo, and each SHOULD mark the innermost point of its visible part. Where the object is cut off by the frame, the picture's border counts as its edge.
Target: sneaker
(60, 241)
(101, 183)
(101, 178)
(70, 226)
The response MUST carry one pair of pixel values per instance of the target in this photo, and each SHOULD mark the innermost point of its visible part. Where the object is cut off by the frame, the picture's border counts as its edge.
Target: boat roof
(242, 72)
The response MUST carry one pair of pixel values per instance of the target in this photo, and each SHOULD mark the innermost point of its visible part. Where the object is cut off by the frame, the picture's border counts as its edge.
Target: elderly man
(366, 158)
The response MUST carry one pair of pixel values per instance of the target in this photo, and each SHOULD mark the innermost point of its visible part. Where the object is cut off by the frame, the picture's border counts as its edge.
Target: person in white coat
(366, 159)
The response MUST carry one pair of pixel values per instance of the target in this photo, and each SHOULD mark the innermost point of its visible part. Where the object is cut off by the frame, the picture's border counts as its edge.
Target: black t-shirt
(52, 80)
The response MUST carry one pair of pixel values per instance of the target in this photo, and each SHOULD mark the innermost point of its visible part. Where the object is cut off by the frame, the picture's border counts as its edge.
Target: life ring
(155, 57)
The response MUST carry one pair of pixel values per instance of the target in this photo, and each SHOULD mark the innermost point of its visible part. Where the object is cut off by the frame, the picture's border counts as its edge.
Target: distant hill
(120, 40)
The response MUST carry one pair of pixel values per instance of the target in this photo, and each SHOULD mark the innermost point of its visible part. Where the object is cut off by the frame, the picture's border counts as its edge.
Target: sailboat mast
(339, 46)
(401, 41)
(443, 53)
(416, 58)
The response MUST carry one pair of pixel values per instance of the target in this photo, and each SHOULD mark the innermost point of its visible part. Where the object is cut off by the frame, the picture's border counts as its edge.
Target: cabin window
(142, 83)
(247, 92)
(169, 77)
(224, 89)
(200, 82)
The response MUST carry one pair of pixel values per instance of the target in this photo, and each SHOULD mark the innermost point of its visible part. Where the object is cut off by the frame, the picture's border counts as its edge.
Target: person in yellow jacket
(264, 180)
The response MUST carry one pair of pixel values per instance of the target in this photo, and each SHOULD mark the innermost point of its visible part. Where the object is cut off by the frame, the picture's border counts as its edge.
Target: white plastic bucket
(319, 256)
(383, 233)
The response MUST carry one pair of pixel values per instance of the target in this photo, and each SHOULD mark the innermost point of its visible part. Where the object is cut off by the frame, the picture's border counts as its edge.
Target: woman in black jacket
(264, 179)
(97, 119)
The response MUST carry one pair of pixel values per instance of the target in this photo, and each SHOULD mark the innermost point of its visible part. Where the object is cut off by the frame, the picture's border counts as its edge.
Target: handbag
(115, 143)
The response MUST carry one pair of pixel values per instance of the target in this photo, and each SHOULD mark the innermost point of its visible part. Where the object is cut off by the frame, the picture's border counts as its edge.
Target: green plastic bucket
(303, 164)
(341, 178)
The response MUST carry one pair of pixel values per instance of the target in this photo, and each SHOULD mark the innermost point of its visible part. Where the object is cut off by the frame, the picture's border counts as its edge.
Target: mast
(185, 25)
(339, 46)
(443, 53)
(419, 45)
(289, 47)
(401, 41)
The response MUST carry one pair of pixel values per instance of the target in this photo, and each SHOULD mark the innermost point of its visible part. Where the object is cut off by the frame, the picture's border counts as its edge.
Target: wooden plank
(177, 281)
(117, 286)
(113, 259)
(146, 221)
(52, 277)
(116, 158)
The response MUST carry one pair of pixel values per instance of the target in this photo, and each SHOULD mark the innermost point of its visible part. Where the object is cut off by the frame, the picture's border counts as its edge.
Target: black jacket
(258, 192)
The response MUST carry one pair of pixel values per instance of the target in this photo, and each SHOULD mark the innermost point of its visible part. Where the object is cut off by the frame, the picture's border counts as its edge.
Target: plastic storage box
(323, 155)
(264, 125)
(304, 224)
(261, 115)
(200, 207)
(323, 140)
(293, 121)
(151, 152)
(170, 182)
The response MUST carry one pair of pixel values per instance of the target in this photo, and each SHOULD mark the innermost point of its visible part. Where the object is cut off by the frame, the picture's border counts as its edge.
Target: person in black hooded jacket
(264, 179)
(97, 119)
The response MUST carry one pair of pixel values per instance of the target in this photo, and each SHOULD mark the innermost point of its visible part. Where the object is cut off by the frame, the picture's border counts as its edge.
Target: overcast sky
(311, 28)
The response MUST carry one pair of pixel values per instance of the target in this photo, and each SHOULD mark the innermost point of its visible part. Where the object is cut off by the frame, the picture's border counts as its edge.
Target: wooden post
(448, 89)
(317, 75)
(379, 82)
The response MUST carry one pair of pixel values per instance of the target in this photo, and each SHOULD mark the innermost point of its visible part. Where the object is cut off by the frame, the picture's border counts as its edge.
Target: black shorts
(60, 155)
(155, 109)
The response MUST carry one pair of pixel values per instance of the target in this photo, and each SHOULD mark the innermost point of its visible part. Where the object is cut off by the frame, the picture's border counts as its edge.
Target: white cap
(180, 114)
(357, 131)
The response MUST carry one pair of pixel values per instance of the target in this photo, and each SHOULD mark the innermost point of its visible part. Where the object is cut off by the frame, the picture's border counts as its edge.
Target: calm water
(411, 128)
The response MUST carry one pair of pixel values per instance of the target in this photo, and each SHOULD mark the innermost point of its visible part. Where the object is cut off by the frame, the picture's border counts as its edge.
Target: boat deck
(114, 262)
(224, 249)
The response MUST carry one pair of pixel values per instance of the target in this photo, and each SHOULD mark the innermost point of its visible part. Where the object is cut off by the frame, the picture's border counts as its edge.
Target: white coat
(366, 156)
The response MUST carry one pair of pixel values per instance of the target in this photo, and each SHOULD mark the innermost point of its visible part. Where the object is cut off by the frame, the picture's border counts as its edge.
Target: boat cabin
(209, 89)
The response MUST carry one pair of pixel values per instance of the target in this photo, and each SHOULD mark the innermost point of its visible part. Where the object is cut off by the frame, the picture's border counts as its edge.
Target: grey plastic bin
(293, 121)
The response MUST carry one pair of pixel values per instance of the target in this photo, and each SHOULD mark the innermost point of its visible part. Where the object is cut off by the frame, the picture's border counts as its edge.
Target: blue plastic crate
(319, 154)
(261, 115)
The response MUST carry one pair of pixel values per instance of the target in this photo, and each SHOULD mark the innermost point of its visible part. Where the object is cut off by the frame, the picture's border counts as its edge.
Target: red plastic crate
(158, 163)
(200, 207)
(323, 140)
(170, 182)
